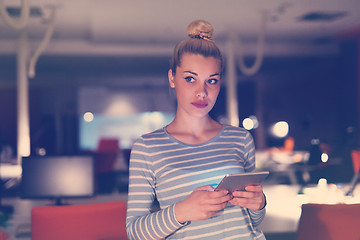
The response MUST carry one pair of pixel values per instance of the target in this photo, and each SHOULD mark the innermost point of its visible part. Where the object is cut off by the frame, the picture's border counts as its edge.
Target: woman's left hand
(253, 198)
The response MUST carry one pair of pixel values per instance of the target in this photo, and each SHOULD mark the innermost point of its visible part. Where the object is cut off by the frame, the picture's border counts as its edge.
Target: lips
(200, 104)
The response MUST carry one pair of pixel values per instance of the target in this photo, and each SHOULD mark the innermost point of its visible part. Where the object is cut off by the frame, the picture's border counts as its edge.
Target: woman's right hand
(201, 204)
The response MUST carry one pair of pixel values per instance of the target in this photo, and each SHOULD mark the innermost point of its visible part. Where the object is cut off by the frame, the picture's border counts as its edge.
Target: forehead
(199, 63)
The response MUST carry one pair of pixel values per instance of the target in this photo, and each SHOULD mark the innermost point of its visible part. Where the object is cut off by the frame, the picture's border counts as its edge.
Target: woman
(178, 165)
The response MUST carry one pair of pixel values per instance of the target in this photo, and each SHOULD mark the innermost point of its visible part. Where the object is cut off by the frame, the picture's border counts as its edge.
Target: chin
(202, 112)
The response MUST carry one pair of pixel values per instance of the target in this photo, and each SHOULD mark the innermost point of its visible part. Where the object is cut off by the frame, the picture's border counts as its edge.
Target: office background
(103, 73)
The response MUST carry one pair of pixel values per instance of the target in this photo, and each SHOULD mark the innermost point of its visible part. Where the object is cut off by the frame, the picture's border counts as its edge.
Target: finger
(215, 199)
(225, 198)
(254, 188)
(221, 194)
(216, 207)
(243, 194)
(246, 200)
(252, 206)
(247, 194)
(208, 188)
(217, 194)
(247, 203)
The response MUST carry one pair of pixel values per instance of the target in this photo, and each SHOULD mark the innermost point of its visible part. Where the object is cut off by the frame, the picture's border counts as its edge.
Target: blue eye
(213, 81)
(189, 79)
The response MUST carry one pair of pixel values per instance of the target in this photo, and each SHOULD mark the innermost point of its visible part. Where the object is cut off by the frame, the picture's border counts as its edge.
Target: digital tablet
(239, 181)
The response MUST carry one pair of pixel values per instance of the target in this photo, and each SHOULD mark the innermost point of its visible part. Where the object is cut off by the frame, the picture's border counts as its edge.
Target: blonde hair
(200, 41)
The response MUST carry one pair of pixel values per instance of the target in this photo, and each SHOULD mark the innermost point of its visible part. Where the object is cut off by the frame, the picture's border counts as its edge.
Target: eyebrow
(212, 75)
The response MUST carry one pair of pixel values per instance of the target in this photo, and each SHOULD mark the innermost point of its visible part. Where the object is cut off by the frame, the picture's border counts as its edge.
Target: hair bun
(200, 29)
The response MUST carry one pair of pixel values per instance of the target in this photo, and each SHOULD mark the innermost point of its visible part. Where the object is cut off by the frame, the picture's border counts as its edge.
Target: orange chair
(98, 221)
(329, 222)
(355, 156)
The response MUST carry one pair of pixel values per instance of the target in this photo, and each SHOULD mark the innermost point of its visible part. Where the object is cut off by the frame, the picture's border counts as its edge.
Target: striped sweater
(166, 170)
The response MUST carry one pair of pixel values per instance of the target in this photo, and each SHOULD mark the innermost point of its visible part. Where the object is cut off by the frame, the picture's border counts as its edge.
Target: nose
(202, 91)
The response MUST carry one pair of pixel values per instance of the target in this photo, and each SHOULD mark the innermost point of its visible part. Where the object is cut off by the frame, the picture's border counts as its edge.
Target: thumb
(208, 188)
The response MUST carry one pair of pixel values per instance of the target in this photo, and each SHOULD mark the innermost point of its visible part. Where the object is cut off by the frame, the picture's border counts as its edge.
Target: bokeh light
(280, 129)
(250, 123)
(324, 157)
(88, 117)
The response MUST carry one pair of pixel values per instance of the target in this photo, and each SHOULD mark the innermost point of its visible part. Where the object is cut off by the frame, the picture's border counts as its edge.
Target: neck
(193, 125)
(194, 130)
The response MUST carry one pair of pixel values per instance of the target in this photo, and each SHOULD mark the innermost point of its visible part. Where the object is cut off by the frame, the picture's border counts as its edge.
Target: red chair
(74, 222)
(105, 158)
(329, 222)
(105, 155)
(355, 156)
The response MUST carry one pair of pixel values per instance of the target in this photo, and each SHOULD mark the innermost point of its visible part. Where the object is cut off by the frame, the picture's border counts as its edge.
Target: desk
(283, 208)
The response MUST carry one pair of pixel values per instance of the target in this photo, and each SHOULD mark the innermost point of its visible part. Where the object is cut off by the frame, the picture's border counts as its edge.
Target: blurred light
(315, 141)
(248, 124)
(324, 157)
(255, 121)
(322, 182)
(88, 117)
(280, 129)
(153, 120)
(41, 151)
(121, 106)
(24, 145)
(157, 118)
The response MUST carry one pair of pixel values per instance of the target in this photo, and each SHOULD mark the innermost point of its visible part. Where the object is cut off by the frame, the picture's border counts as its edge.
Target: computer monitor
(57, 177)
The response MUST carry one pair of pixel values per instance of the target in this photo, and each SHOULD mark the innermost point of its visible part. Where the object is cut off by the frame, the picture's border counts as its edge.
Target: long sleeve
(249, 150)
(257, 216)
(141, 222)
(249, 153)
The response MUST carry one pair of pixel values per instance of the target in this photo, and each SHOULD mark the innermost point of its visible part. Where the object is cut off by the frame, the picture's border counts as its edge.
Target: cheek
(181, 93)
(214, 92)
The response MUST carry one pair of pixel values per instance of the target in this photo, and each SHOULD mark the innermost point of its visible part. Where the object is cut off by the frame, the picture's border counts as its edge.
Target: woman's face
(197, 84)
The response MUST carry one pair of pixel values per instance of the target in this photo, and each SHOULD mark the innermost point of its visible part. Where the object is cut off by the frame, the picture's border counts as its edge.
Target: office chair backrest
(97, 221)
(355, 156)
(329, 222)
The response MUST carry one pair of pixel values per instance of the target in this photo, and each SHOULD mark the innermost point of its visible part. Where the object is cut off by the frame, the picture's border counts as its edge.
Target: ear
(171, 78)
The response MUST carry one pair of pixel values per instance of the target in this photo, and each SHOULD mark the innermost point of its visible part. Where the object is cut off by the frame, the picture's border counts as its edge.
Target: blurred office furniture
(105, 155)
(104, 220)
(329, 222)
(283, 164)
(10, 173)
(57, 177)
(9, 176)
(3, 236)
(282, 212)
(355, 157)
